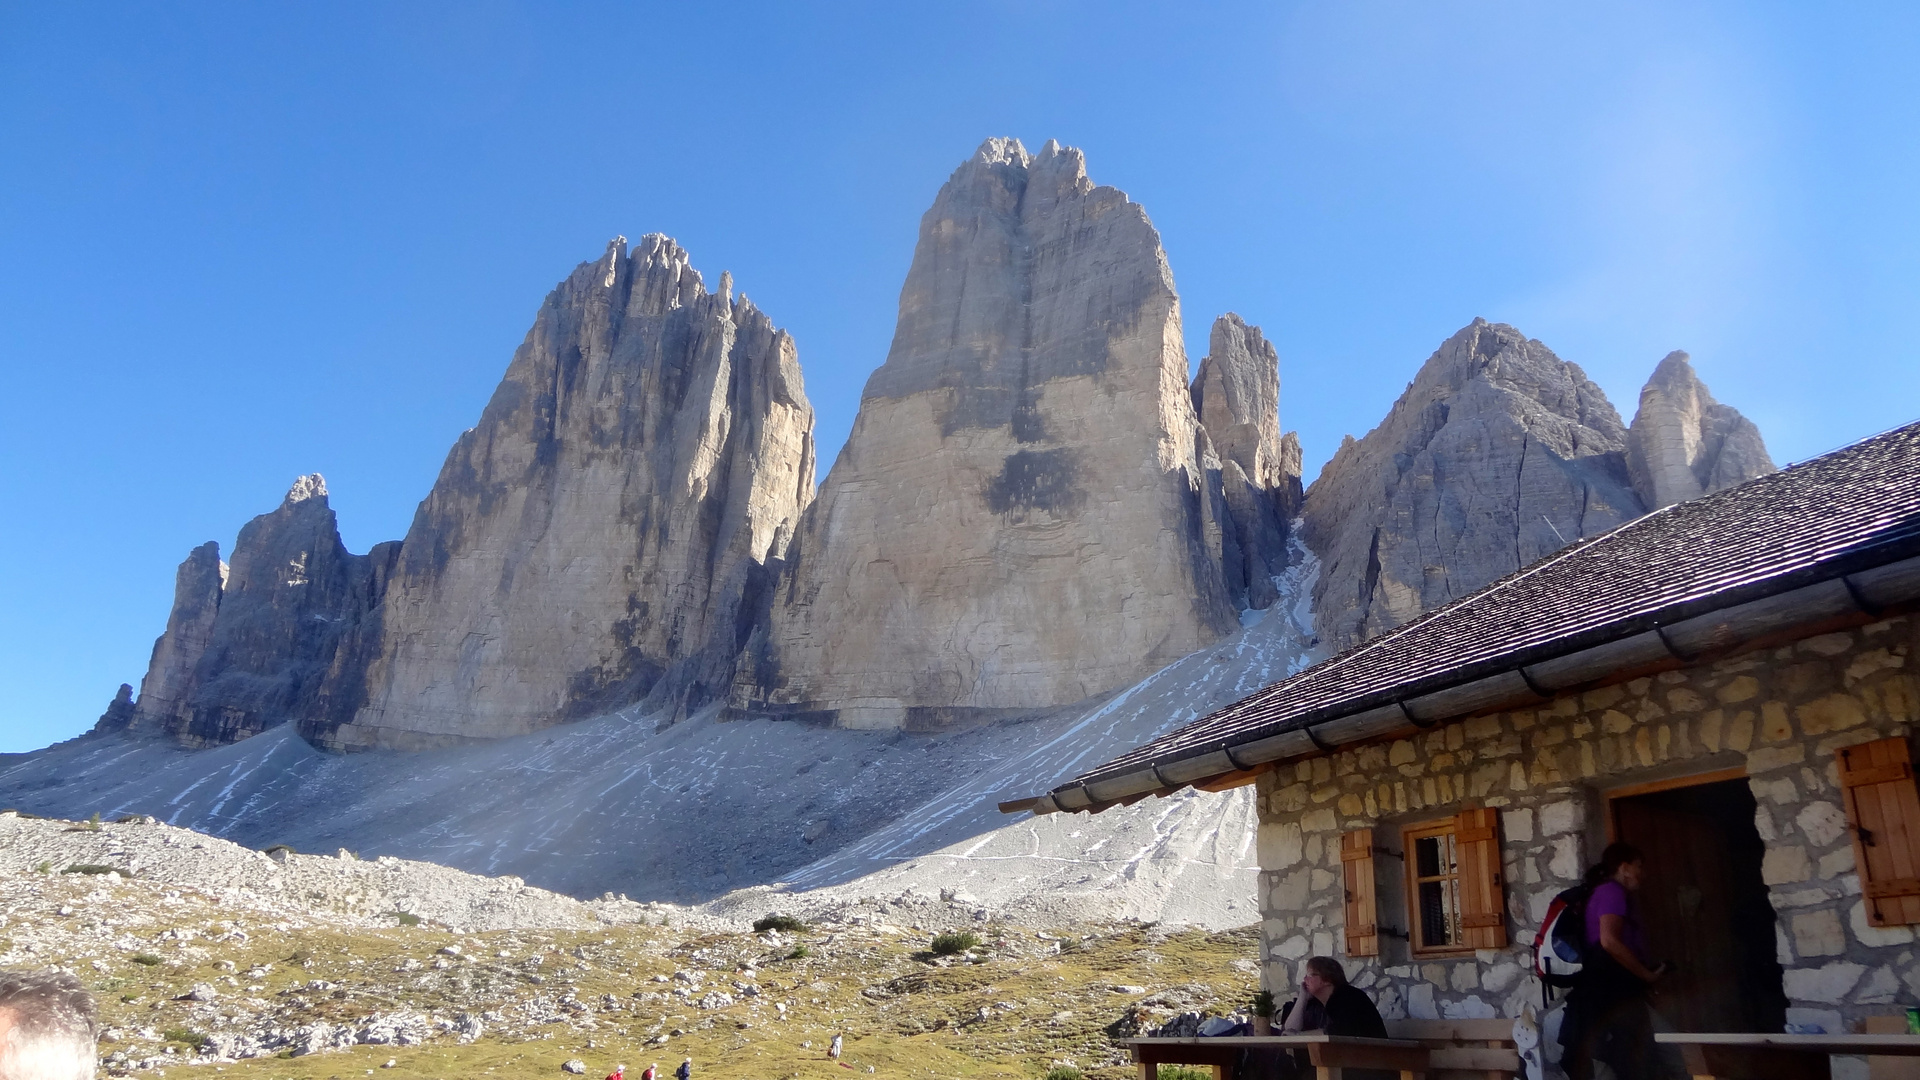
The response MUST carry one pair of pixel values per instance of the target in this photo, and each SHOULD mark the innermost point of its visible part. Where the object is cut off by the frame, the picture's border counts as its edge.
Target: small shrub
(128, 999)
(785, 923)
(146, 959)
(1262, 1003)
(44, 867)
(185, 1037)
(799, 953)
(1064, 1072)
(1183, 1072)
(96, 868)
(406, 918)
(955, 941)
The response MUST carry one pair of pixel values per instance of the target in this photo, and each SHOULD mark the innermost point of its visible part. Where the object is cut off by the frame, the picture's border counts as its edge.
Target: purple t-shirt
(1612, 898)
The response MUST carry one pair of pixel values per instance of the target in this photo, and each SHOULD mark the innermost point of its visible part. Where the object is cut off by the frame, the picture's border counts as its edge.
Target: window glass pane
(1426, 856)
(1439, 913)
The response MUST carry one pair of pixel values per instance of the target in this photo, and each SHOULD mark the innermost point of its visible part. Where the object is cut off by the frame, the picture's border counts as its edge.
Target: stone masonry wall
(1781, 713)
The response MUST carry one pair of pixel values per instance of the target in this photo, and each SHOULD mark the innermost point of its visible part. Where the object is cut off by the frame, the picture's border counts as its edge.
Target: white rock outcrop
(595, 538)
(1022, 515)
(1684, 444)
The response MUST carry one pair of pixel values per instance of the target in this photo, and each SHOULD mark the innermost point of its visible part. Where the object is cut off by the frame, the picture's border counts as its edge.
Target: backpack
(1560, 946)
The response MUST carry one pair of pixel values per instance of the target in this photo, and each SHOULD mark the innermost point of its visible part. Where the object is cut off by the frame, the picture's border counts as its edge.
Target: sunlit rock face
(600, 537)
(1497, 454)
(1684, 444)
(1022, 516)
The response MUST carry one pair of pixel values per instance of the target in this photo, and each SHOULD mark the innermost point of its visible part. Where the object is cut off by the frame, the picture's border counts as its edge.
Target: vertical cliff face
(169, 681)
(600, 535)
(249, 646)
(1499, 453)
(1237, 397)
(1021, 516)
(1684, 444)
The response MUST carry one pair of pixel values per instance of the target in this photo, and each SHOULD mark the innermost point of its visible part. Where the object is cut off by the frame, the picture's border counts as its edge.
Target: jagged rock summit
(601, 534)
(1236, 394)
(1684, 444)
(1027, 512)
(1497, 454)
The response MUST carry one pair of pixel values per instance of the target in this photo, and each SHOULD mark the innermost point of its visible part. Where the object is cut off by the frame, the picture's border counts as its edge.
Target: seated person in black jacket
(1332, 1006)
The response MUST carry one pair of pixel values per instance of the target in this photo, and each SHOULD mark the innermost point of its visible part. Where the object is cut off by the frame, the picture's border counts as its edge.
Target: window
(1433, 886)
(1455, 897)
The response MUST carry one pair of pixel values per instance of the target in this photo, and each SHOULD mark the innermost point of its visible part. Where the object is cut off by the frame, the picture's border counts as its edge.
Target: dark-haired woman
(1607, 1017)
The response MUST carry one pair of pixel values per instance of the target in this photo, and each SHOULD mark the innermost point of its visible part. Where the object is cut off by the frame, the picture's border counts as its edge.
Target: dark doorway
(1705, 906)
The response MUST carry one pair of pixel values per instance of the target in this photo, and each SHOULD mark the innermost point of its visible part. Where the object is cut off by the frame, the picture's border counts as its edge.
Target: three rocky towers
(1035, 506)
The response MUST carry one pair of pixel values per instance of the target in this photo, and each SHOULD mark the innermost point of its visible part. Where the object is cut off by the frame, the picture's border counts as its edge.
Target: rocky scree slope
(194, 965)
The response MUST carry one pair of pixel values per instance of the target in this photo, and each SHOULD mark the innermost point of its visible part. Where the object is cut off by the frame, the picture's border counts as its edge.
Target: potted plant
(1261, 1008)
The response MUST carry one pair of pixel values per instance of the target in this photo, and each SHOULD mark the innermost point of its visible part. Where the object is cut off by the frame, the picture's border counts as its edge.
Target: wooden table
(1328, 1053)
(1706, 1054)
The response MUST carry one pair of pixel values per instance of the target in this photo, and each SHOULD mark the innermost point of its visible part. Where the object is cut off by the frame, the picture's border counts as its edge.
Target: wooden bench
(1329, 1054)
(1463, 1049)
(1734, 1054)
(1436, 1049)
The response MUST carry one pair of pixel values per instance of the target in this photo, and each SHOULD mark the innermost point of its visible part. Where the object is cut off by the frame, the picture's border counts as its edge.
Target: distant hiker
(833, 1051)
(1607, 1017)
(685, 1071)
(47, 1027)
(652, 1073)
(619, 1073)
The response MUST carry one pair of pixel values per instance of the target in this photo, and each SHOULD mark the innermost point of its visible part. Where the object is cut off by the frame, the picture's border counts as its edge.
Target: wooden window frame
(1420, 830)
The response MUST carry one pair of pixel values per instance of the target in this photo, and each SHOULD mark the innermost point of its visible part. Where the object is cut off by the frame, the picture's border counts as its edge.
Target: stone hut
(1726, 682)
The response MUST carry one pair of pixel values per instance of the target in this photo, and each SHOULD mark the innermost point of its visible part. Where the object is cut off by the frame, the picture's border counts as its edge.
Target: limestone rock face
(603, 533)
(290, 598)
(197, 586)
(1684, 444)
(1021, 516)
(1237, 396)
(1497, 454)
(119, 714)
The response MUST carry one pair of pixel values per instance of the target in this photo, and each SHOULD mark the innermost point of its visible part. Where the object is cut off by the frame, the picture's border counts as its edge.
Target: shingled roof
(1833, 537)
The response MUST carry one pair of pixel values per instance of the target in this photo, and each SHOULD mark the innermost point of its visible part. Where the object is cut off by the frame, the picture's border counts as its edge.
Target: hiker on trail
(1607, 1016)
(1328, 1003)
(47, 1027)
(652, 1073)
(833, 1049)
(685, 1071)
(619, 1073)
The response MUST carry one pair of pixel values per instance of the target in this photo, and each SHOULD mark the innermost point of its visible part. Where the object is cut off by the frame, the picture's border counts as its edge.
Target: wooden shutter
(1483, 896)
(1883, 807)
(1356, 867)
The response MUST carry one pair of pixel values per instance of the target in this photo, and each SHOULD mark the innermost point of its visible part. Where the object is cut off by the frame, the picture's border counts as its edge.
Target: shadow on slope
(700, 809)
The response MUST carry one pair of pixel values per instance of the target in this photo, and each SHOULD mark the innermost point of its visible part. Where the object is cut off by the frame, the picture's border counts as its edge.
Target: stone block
(1768, 758)
(1518, 825)
(1615, 722)
(1323, 880)
(1837, 862)
(1779, 790)
(1878, 988)
(1279, 845)
(1712, 723)
(1500, 977)
(1420, 1004)
(1835, 712)
(1826, 644)
(1818, 933)
(1737, 689)
(1289, 894)
(1827, 984)
(1872, 661)
(1821, 823)
(1321, 820)
(1559, 817)
(1469, 1008)
(1482, 728)
(1785, 864)
(1565, 863)
(1774, 726)
(1601, 698)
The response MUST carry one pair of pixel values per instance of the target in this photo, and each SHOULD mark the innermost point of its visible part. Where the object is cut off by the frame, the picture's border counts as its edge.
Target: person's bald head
(47, 1027)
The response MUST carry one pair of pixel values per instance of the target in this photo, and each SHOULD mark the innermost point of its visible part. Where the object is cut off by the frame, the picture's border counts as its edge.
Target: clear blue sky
(239, 242)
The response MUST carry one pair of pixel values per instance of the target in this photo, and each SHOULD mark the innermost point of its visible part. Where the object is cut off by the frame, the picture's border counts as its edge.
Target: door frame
(1650, 787)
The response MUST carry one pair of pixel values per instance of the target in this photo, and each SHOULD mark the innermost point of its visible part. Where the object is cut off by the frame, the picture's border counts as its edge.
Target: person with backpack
(685, 1071)
(1607, 1017)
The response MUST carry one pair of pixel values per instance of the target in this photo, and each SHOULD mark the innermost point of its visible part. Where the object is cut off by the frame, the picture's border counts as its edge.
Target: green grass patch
(185, 1037)
(954, 942)
(799, 953)
(97, 868)
(405, 918)
(145, 959)
(1183, 1072)
(783, 923)
(1064, 1072)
